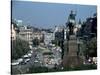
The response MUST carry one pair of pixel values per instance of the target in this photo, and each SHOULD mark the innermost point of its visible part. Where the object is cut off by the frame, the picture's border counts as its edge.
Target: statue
(71, 22)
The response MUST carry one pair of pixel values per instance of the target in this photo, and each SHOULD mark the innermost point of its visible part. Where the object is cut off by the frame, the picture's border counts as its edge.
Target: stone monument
(71, 21)
(71, 58)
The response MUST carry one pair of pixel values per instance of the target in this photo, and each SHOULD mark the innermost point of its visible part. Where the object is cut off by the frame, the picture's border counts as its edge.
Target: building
(59, 33)
(37, 35)
(48, 37)
(26, 34)
(13, 32)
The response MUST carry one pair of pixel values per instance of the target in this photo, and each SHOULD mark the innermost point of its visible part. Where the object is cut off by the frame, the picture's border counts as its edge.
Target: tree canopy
(19, 47)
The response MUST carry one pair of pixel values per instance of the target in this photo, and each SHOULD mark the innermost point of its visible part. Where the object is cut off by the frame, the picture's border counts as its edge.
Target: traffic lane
(26, 65)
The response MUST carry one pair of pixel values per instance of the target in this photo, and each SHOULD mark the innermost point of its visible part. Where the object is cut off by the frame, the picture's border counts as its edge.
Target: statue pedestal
(71, 59)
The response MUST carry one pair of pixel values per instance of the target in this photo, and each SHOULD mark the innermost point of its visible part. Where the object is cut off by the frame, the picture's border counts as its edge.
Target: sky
(48, 15)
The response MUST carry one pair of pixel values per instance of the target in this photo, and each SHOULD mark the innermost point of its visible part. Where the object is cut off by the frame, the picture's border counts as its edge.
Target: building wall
(13, 32)
(26, 34)
(48, 37)
(38, 35)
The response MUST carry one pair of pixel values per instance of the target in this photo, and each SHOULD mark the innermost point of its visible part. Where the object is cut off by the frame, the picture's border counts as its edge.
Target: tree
(92, 47)
(35, 42)
(19, 47)
(89, 48)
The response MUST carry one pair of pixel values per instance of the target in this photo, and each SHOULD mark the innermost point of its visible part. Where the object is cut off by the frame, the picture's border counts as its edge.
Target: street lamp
(79, 43)
(86, 41)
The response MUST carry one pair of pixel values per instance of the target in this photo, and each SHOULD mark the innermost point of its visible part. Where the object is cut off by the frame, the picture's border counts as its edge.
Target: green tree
(92, 47)
(19, 47)
(35, 42)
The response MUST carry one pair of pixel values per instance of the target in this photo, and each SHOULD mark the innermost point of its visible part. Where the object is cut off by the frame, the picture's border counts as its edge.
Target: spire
(79, 22)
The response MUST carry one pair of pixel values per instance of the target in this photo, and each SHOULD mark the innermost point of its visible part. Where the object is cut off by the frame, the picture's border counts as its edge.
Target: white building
(26, 34)
(37, 35)
(48, 37)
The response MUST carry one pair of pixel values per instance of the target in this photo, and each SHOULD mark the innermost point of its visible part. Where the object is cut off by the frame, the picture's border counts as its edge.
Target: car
(26, 60)
(22, 63)
(20, 60)
(29, 54)
(36, 61)
(25, 56)
(15, 63)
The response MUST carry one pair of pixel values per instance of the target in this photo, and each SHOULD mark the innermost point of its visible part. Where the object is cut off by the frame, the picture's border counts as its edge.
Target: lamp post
(79, 42)
(86, 41)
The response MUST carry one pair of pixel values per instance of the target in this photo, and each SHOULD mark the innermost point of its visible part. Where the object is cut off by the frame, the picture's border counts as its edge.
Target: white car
(20, 60)
(26, 60)
(25, 56)
(29, 54)
(36, 61)
(15, 63)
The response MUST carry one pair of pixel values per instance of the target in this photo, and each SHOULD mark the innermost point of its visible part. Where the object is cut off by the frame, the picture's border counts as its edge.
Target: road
(23, 68)
(36, 60)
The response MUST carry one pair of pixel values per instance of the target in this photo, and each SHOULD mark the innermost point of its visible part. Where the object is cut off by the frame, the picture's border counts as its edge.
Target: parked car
(25, 56)
(20, 60)
(22, 63)
(29, 54)
(36, 61)
(26, 60)
(15, 63)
